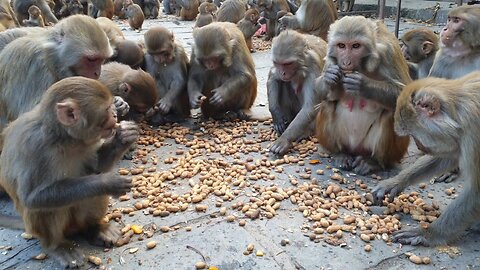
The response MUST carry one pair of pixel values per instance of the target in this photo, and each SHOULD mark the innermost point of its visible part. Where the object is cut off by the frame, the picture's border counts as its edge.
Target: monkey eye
(356, 45)
(341, 45)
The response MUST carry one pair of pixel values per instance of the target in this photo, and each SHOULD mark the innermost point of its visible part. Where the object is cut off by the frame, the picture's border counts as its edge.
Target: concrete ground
(229, 159)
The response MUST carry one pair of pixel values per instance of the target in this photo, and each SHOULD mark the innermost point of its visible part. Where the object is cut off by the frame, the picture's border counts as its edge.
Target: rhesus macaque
(135, 17)
(64, 191)
(21, 10)
(442, 117)
(363, 76)
(118, 9)
(12, 34)
(7, 16)
(151, 9)
(419, 46)
(187, 9)
(222, 79)
(298, 59)
(135, 86)
(206, 14)
(128, 52)
(232, 11)
(71, 7)
(167, 61)
(76, 46)
(249, 26)
(112, 30)
(313, 17)
(35, 18)
(286, 20)
(169, 7)
(459, 52)
(270, 9)
(345, 5)
(101, 8)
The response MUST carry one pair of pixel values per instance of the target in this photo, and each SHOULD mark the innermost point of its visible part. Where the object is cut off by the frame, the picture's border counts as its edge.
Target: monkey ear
(427, 47)
(68, 112)
(427, 105)
(124, 89)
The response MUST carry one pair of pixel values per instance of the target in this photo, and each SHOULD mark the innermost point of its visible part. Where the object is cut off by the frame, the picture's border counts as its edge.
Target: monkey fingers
(217, 98)
(343, 161)
(414, 237)
(364, 166)
(391, 187)
(164, 106)
(121, 105)
(280, 146)
(68, 256)
(352, 81)
(196, 100)
(332, 75)
(447, 177)
(279, 125)
(117, 185)
(107, 236)
(128, 132)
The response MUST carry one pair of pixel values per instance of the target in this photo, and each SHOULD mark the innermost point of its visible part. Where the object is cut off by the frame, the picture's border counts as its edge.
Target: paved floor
(226, 152)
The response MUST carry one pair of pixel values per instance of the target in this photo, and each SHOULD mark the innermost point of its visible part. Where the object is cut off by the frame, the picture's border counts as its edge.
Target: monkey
(169, 7)
(135, 17)
(12, 34)
(270, 9)
(222, 79)
(286, 20)
(136, 87)
(118, 9)
(167, 61)
(459, 52)
(206, 14)
(71, 7)
(249, 26)
(313, 17)
(112, 30)
(442, 117)
(151, 9)
(64, 191)
(187, 9)
(7, 17)
(419, 46)
(21, 10)
(128, 52)
(298, 59)
(35, 18)
(101, 8)
(76, 46)
(345, 5)
(231, 11)
(363, 75)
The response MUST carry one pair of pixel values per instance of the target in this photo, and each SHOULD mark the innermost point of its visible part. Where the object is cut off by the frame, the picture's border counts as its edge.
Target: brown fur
(189, 9)
(270, 8)
(135, 17)
(249, 26)
(207, 14)
(36, 18)
(419, 46)
(231, 11)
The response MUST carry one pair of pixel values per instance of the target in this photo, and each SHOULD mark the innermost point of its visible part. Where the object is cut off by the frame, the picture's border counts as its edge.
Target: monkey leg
(447, 177)
(364, 165)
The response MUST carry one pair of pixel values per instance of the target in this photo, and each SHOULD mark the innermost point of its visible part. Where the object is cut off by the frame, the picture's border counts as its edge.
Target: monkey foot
(447, 177)
(68, 256)
(343, 161)
(364, 166)
(412, 237)
(106, 236)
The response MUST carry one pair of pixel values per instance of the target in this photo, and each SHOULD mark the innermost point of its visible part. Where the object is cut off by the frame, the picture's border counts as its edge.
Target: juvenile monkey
(36, 18)
(136, 87)
(206, 14)
(64, 191)
(222, 77)
(231, 11)
(135, 17)
(442, 117)
(21, 10)
(151, 9)
(363, 76)
(419, 46)
(249, 26)
(188, 9)
(270, 9)
(298, 60)
(101, 8)
(167, 62)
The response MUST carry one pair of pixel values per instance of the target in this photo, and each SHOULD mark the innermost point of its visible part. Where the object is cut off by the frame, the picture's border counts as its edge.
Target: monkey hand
(414, 237)
(121, 105)
(391, 187)
(117, 185)
(332, 75)
(163, 106)
(352, 82)
(218, 97)
(196, 100)
(280, 124)
(127, 133)
(280, 146)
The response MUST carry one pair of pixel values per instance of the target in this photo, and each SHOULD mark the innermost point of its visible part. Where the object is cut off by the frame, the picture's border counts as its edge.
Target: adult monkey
(442, 117)
(419, 46)
(249, 26)
(222, 77)
(231, 11)
(298, 60)
(65, 190)
(364, 74)
(76, 46)
(459, 52)
(270, 9)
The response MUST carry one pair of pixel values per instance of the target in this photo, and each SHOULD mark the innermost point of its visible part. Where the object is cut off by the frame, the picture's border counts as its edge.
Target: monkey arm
(425, 167)
(384, 92)
(273, 94)
(327, 85)
(111, 151)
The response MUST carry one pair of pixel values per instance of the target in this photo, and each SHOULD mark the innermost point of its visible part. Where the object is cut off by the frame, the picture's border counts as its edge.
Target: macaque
(10, 35)
(76, 46)
(135, 17)
(249, 26)
(345, 5)
(118, 9)
(7, 16)
(313, 17)
(222, 79)
(135, 86)
(170, 7)
(298, 59)
(459, 52)
(64, 190)
(270, 9)
(363, 76)
(419, 46)
(231, 11)
(101, 8)
(151, 9)
(128, 52)
(167, 61)
(21, 10)
(70, 7)
(35, 18)
(442, 117)
(112, 30)
(187, 9)
(206, 14)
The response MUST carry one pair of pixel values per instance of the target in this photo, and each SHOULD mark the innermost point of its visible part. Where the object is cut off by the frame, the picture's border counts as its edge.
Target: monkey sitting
(74, 136)
(35, 17)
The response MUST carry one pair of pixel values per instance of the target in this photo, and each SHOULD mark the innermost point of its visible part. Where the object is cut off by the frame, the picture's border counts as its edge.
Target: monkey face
(211, 63)
(286, 71)
(349, 54)
(163, 58)
(107, 127)
(454, 27)
(89, 66)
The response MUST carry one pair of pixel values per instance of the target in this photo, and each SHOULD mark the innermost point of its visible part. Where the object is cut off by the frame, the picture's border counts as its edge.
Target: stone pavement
(222, 244)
